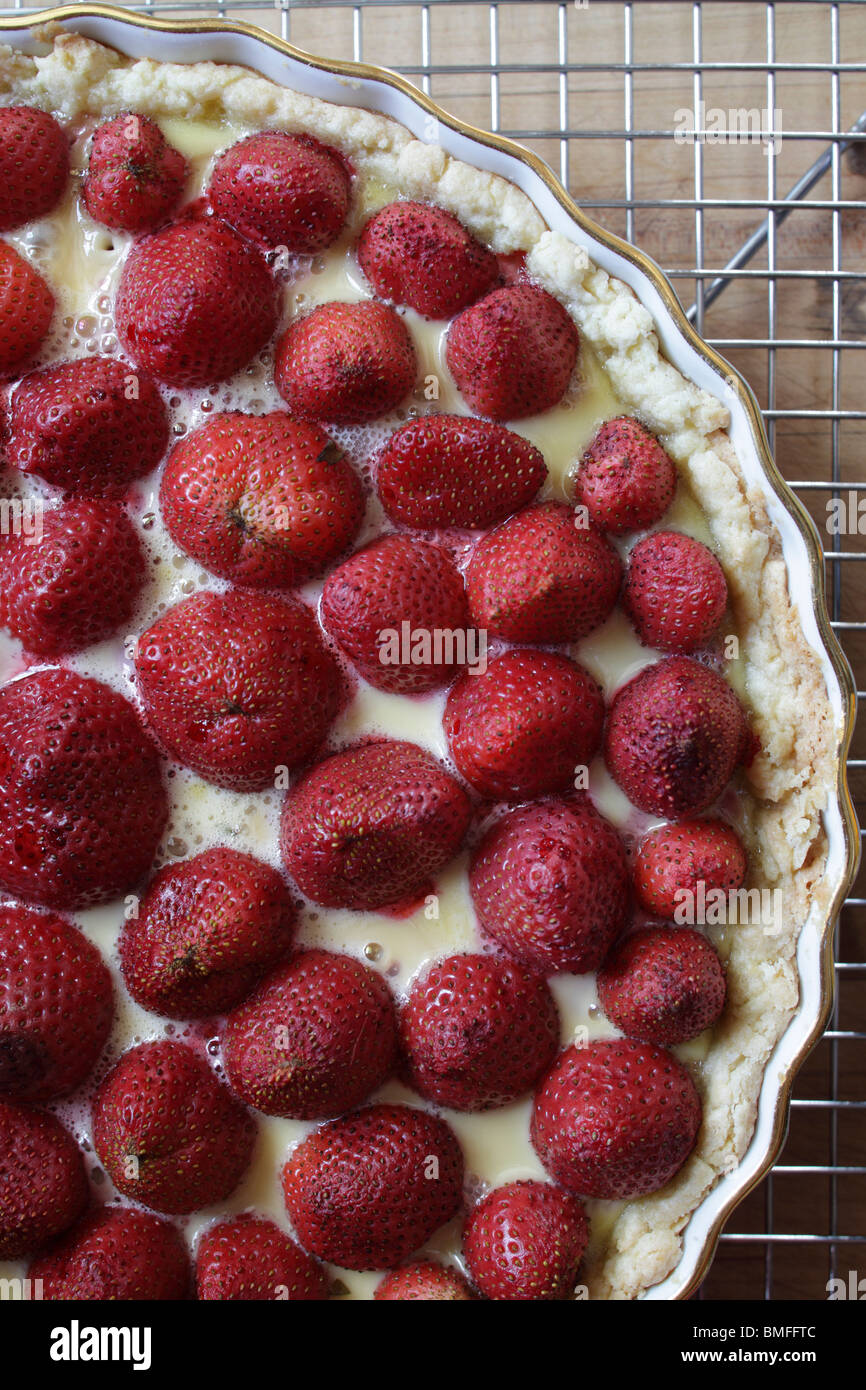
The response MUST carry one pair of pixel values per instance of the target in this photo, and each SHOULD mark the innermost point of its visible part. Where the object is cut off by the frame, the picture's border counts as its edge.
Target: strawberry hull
(195, 303)
(238, 686)
(84, 805)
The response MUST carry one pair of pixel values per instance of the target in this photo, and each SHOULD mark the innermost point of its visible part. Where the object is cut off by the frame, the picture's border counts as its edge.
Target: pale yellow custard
(82, 263)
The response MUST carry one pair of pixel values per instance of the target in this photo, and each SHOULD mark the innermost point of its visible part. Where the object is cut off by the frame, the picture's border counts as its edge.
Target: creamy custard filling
(82, 263)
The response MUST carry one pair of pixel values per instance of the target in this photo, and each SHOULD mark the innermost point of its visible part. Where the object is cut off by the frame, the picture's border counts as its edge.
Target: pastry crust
(778, 673)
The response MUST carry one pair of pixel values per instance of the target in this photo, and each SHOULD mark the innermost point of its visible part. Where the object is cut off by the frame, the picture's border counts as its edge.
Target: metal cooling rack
(595, 87)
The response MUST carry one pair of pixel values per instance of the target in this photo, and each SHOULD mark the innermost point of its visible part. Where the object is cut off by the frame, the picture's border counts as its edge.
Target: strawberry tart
(397, 675)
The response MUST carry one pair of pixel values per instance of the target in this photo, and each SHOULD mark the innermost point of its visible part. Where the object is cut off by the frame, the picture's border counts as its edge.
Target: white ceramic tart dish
(209, 84)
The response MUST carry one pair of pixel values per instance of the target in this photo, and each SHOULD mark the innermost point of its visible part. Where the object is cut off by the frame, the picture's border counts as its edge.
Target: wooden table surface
(801, 378)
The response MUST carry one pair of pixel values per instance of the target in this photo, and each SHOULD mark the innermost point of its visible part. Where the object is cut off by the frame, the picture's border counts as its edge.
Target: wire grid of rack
(766, 245)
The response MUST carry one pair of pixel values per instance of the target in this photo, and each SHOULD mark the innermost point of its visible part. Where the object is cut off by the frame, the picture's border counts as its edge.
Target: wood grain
(789, 379)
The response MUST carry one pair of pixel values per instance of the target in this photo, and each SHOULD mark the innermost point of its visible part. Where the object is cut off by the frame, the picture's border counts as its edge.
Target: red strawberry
(422, 256)
(75, 584)
(615, 1119)
(541, 578)
(626, 480)
(56, 1004)
(524, 1242)
(367, 1190)
(674, 737)
(206, 931)
(512, 266)
(662, 985)
(512, 354)
(26, 311)
(477, 1032)
(237, 685)
(525, 725)
(82, 803)
(345, 363)
(675, 592)
(89, 426)
(368, 827)
(262, 500)
(116, 1253)
(425, 1279)
(195, 303)
(550, 884)
(135, 177)
(170, 1135)
(43, 1185)
(316, 1038)
(673, 859)
(249, 1258)
(399, 595)
(34, 165)
(282, 190)
(451, 470)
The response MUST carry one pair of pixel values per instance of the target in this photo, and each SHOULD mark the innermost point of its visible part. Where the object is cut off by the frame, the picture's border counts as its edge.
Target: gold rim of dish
(66, 17)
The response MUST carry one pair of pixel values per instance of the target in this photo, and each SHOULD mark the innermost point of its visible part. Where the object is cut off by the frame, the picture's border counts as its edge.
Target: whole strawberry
(367, 1190)
(626, 480)
(196, 302)
(43, 1185)
(26, 311)
(398, 610)
(206, 932)
(170, 1135)
(423, 256)
(56, 1004)
(282, 190)
(675, 735)
(423, 1280)
(34, 165)
(135, 178)
(662, 985)
(116, 1253)
(248, 1258)
(82, 802)
(76, 583)
(316, 1038)
(453, 470)
(512, 353)
(238, 685)
(675, 592)
(369, 827)
(90, 426)
(345, 363)
(541, 578)
(549, 883)
(673, 860)
(524, 726)
(615, 1119)
(524, 1242)
(477, 1031)
(261, 500)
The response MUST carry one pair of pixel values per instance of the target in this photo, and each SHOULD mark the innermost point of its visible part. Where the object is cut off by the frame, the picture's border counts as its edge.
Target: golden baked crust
(778, 674)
